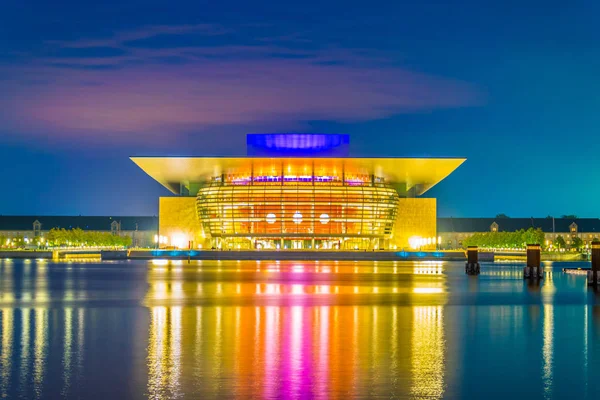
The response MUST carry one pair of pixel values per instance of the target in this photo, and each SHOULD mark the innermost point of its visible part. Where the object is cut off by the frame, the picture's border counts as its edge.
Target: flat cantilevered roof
(421, 173)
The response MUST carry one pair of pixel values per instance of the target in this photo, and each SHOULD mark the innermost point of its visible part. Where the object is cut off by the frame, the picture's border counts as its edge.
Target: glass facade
(297, 214)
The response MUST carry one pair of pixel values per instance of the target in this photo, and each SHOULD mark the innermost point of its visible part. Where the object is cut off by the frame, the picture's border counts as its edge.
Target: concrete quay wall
(25, 254)
(299, 255)
(245, 255)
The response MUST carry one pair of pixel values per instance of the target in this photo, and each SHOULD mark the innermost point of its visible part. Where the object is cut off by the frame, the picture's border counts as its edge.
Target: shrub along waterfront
(499, 240)
(80, 238)
(66, 238)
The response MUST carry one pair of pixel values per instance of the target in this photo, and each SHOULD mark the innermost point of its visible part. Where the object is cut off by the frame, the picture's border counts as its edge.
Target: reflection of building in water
(428, 352)
(32, 351)
(548, 291)
(7, 347)
(164, 352)
(25, 349)
(40, 349)
(237, 346)
(26, 335)
(68, 350)
(548, 349)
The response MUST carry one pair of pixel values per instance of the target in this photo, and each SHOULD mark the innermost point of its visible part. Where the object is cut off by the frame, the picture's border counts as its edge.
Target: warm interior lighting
(179, 240)
(271, 218)
(414, 242)
(297, 218)
(161, 239)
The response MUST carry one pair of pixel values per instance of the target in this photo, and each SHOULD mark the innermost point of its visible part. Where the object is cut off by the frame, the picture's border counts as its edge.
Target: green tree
(79, 237)
(19, 241)
(516, 239)
(569, 216)
(126, 241)
(577, 243)
(533, 236)
(559, 242)
(57, 237)
(502, 216)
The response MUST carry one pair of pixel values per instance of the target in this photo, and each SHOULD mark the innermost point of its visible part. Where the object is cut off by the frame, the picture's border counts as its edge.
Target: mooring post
(472, 266)
(594, 274)
(533, 269)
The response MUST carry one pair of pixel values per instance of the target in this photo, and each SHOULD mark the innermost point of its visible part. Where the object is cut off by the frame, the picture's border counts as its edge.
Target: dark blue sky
(511, 85)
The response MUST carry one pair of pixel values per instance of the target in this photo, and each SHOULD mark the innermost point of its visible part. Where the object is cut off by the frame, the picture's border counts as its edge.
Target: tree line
(73, 238)
(78, 237)
(517, 239)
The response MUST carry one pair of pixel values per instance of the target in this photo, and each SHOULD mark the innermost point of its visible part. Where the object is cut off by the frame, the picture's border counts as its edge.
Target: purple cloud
(138, 91)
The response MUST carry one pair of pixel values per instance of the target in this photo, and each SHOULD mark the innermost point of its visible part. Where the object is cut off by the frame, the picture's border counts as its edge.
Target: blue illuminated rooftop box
(297, 145)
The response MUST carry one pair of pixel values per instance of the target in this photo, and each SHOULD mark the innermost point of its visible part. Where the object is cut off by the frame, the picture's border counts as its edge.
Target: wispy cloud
(168, 79)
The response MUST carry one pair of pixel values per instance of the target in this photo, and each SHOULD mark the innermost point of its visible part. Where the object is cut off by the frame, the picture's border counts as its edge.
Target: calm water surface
(294, 330)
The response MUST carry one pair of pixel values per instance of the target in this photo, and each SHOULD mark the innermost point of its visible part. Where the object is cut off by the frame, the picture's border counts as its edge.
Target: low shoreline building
(142, 230)
(453, 231)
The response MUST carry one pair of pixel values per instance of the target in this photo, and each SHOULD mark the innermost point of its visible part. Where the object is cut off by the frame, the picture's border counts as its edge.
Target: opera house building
(297, 191)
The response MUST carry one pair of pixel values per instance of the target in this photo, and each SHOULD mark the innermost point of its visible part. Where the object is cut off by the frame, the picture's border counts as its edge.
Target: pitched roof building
(454, 230)
(141, 229)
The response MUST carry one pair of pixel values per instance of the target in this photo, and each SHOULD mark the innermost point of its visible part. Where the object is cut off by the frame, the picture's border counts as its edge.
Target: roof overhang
(421, 173)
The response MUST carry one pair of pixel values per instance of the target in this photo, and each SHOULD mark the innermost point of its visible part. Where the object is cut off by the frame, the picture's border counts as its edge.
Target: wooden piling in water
(533, 269)
(472, 266)
(594, 273)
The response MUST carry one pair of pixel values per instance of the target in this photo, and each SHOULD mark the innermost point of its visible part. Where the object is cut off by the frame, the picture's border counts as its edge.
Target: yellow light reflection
(6, 354)
(283, 336)
(40, 349)
(427, 290)
(80, 338)
(67, 354)
(548, 290)
(157, 359)
(548, 349)
(25, 350)
(428, 346)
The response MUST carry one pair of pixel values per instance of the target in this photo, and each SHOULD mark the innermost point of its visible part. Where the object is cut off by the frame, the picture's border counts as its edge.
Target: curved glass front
(297, 216)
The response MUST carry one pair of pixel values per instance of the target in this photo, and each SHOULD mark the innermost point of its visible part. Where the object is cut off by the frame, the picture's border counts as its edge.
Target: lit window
(297, 218)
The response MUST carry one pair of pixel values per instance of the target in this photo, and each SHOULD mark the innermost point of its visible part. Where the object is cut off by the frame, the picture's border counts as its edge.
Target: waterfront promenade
(381, 255)
(146, 254)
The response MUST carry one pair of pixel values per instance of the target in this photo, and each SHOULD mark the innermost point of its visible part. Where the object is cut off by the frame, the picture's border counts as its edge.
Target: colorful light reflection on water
(294, 330)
